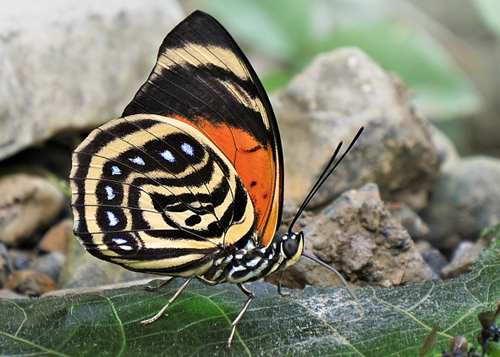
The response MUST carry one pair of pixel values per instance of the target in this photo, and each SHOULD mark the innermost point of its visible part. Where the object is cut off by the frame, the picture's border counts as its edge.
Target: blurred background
(447, 51)
(67, 67)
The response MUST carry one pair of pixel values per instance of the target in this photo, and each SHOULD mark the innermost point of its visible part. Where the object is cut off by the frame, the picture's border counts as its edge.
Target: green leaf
(309, 322)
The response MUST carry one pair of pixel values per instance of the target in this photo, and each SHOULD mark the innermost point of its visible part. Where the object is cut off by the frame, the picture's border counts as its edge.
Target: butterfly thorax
(254, 262)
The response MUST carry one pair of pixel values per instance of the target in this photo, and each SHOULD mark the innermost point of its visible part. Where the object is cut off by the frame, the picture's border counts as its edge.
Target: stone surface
(465, 255)
(9, 294)
(447, 153)
(358, 236)
(432, 256)
(30, 282)
(5, 265)
(463, 202)
(58, 237)
(50, 264)
(74, 65)
(410, 220)
(84, 270)
(27, 204)
(329, 101)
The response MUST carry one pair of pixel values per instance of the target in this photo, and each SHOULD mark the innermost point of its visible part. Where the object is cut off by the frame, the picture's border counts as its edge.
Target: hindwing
(203, 78)
(154, 194)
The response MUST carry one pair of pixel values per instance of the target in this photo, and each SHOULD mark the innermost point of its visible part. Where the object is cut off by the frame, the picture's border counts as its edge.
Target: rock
(447, 153)
(8, 294)
(58, 238)
(410, 220)
(328, 102)
(463, 201)
(27, 205)
(465, 255)
(358, 236)
(30, 282)
(84, 270)
(50, 264)
(5, 265)
(432, 256)
(21, 258)
(74, 65)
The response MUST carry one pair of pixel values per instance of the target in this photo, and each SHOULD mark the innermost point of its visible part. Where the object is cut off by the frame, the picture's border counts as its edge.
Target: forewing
(203, 78)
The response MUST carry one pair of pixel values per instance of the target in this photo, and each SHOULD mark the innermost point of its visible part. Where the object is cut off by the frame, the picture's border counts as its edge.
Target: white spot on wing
(167, 155)
(113, 221)
(115, 170)
(138, 160)
(188, 149)
(126, 247)
(109, 192)
(119, 240)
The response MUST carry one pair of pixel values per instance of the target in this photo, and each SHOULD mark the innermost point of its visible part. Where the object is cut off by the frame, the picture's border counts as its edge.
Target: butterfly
(188, 182)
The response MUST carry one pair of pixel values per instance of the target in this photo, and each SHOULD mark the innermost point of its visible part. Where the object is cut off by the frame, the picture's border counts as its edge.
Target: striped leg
(251, 296)
(176, 295)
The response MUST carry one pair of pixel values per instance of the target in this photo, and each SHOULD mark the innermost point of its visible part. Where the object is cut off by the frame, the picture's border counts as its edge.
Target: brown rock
(57, 238)
(27, 204)
(30, 282)
(328, 102)
(5, 265)
(358, 236)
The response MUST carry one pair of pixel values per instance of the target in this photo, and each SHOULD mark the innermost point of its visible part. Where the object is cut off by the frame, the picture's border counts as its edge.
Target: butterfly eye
(290, 247)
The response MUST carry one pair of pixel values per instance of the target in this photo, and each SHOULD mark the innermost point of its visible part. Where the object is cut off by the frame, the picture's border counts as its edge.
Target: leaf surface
(309, 322)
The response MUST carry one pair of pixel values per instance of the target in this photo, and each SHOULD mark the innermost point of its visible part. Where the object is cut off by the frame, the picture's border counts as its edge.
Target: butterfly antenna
(329, 168)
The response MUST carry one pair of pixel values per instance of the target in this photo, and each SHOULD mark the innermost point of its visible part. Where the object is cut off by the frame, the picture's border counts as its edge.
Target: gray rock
(465, 254)
(358, 236)
(74, 65)
(410, 220)
(463, 202)
(5, 265)
(336, 95)
(50, 264)
(432, 256)
(27, 204)
(84, 270)
(447, 153)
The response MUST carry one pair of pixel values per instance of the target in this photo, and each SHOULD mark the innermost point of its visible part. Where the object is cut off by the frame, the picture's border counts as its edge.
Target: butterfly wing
(203, 78)
(154, 194)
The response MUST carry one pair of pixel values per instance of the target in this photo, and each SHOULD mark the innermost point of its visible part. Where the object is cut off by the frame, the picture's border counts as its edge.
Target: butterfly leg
(172, 299)
(150, 287)
(251, 296)
(278, 279)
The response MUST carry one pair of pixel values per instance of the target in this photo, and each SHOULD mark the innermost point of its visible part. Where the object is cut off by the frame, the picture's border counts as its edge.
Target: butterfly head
(292, 247)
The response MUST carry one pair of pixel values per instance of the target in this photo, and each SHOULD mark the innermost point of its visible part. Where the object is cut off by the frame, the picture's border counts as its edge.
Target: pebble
(31, 283)
(28, 204)
(58, 237)
(463, 202)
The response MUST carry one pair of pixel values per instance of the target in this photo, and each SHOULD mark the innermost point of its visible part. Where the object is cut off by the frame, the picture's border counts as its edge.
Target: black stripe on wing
(201, 72)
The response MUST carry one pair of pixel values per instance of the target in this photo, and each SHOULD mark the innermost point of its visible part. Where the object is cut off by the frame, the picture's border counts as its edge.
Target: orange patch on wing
(254, 164)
